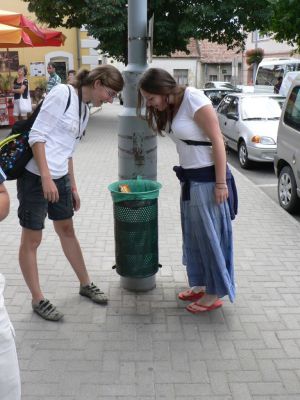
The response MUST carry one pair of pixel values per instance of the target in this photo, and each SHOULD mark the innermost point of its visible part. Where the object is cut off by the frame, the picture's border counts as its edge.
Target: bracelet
(220, 183)
(221, 188)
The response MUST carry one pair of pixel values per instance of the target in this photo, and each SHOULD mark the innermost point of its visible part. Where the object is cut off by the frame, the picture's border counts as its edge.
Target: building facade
(78, 51)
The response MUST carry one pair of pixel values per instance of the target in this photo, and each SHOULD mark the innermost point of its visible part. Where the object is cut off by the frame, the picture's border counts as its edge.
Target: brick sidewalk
(146, 346)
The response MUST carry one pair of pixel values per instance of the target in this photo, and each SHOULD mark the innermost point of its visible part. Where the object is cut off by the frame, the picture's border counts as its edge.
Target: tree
(285, 21)
(175, 21)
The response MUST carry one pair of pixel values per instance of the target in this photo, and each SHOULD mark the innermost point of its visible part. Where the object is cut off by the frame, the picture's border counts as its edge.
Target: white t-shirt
(184, 127)
(59, 130)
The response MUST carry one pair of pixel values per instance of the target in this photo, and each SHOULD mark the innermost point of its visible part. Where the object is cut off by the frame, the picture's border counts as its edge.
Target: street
(261, 174)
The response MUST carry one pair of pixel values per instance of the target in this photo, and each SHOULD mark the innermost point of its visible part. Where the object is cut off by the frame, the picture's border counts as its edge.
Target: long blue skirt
(207, 241)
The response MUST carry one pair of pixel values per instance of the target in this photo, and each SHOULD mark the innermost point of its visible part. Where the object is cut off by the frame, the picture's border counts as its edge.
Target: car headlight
(262, 139)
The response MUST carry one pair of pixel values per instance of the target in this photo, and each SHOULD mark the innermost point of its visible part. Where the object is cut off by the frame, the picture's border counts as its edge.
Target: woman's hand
(221, 193)
(76, 200)
(50, 190)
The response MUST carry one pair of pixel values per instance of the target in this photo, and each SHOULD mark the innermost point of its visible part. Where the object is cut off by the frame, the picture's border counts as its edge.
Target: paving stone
(145, 346)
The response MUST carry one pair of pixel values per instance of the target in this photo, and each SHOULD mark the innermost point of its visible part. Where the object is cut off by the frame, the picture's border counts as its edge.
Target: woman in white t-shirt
(208, 198)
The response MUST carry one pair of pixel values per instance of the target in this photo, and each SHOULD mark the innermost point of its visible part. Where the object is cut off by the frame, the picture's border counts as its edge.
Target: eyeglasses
(110, 93)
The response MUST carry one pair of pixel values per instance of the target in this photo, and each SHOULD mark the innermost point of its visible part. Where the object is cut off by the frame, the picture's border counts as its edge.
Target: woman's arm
(75, 195)
(207, 120)
(21, 90)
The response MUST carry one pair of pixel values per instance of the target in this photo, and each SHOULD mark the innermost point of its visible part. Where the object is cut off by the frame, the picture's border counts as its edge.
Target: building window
(181, 76)
(213, 78)
(227, 78)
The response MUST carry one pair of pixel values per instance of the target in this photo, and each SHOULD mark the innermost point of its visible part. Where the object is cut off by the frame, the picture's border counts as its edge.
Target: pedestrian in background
(48, 184)
(20, 88)
(205, 180)
(278, 84)
(10, 385)
(71, 76)
(54, 79)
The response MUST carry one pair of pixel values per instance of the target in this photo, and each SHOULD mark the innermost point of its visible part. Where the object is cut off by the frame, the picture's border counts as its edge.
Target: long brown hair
(158, 81)
(107, 74)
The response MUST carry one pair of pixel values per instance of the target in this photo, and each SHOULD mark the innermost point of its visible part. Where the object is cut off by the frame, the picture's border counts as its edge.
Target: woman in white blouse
(48, 185)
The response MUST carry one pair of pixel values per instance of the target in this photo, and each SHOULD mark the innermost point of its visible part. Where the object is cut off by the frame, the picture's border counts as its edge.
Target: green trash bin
(136, 228)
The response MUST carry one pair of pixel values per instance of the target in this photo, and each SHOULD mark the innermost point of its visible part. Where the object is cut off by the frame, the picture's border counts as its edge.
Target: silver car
(249, 124)
(287, 157)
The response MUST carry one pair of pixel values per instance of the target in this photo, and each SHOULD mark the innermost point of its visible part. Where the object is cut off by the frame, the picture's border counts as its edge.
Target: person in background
(38, 96)
(206, 184)
(20, 87)
(10, 384)
(54, 79)
(278, 84)
(48, 184)
(71, 76)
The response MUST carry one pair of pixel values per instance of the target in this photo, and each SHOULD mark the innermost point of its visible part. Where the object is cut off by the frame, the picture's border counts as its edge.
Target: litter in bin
(124, 188)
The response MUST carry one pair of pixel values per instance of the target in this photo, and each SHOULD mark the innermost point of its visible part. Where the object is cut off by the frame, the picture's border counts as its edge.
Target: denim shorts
(33, 207)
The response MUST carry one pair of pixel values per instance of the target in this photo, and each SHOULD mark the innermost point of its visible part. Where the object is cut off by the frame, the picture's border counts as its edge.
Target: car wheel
(287, 190)
(243, 155)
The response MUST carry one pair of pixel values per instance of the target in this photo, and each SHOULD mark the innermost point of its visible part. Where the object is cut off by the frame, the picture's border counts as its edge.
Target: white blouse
(59, 130)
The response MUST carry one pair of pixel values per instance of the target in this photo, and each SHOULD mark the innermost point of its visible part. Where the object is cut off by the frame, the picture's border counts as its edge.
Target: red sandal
(189, 295)
(196, 308)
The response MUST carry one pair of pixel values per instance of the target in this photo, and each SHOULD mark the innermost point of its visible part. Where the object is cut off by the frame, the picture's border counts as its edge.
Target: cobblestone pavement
(146, 346)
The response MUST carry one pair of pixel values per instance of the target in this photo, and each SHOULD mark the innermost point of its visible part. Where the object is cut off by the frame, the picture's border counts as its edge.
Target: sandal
(47, 310)
(196, 308)
(189, 295)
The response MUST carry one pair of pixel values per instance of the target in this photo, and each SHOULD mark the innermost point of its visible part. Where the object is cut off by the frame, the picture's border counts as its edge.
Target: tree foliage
(285, 21)
(175, 21)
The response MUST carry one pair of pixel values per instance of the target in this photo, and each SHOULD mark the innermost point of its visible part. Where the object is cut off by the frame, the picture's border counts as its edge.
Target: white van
(287, 157)
(269, 69)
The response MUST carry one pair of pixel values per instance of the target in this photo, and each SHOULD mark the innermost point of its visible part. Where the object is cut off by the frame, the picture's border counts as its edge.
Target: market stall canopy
(31, 34)
(11, 36)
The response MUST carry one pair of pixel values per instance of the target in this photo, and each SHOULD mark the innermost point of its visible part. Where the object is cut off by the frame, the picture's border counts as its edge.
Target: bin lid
(141, 189)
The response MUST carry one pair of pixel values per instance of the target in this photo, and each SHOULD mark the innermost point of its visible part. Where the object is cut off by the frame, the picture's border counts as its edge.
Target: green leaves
(176, 21)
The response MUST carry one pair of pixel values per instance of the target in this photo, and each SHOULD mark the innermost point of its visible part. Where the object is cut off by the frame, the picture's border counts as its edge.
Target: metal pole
(255, 64)
(137, 145)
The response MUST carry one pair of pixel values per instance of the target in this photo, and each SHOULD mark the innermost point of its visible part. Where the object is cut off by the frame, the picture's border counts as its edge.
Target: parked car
(287, 157)
(249, 124)
(219, 85)
(216, 95)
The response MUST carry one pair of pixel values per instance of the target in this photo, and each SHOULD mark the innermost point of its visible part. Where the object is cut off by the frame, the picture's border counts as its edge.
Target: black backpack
(15, 151)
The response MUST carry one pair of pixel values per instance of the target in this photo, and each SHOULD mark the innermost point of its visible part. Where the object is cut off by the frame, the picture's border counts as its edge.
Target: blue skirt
(207, 241)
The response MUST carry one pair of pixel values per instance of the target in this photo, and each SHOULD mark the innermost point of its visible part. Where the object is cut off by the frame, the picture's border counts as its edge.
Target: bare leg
(72, 249)
(30, 241)
(207, 299)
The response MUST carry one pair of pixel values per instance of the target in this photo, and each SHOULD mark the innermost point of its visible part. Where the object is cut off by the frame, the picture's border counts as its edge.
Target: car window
(292, 111)
(223, 107)
(233, 106)
(227, 85)
(215, 95)
(260, 108)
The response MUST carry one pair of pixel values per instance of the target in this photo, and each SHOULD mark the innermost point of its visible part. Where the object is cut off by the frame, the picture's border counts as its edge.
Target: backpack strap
(69, 99)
